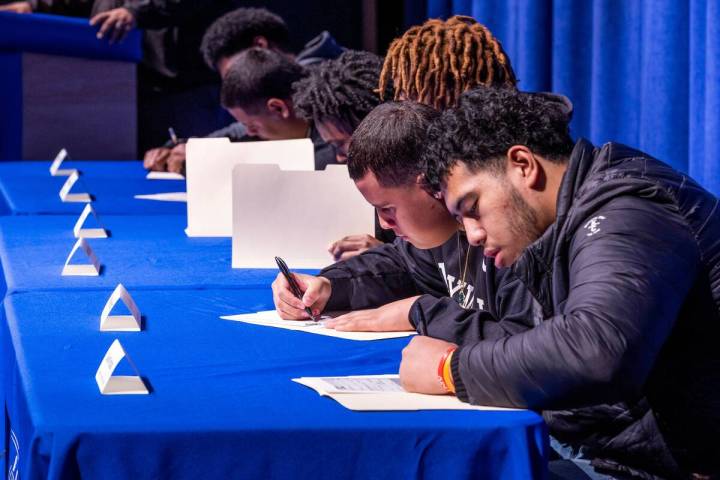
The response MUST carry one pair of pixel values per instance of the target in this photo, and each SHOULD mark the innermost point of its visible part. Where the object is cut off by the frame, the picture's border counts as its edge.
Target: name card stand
(81, 232)
(110, 384)
(55, 170)
(120, 323)
(68, 197)
(91, 269)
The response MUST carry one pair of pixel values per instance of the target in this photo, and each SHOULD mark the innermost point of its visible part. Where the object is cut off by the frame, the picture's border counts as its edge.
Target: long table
(222, 403)
(26, 188)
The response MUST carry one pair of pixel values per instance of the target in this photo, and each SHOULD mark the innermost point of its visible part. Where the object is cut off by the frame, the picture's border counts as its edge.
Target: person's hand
(392, 317)
(352, 245)
(316, 293)
(156, 159)
(176, 159)
(419, 365)
(115, 24)
(16, 7)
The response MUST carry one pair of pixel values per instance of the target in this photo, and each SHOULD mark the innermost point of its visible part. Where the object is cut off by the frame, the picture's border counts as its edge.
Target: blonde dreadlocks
(434, 63)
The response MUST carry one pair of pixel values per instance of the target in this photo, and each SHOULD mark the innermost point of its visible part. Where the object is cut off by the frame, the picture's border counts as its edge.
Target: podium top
(59, 35)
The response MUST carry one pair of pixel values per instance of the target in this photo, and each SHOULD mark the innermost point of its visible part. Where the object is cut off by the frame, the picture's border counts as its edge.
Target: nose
(386, 223)
(476, 235)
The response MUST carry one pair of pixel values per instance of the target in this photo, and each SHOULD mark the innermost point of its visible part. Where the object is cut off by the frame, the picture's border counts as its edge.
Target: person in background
(257, 91)
(336, 96)
(226, 38)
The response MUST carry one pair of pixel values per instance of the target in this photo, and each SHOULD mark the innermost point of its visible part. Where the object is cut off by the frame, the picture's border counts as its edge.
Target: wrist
(444, 370)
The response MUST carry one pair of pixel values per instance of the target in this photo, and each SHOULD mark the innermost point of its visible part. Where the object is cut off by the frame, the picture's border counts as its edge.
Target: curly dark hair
(489, 121)
(389, 143)
(257, 75)
(235, 31)
(342, 89)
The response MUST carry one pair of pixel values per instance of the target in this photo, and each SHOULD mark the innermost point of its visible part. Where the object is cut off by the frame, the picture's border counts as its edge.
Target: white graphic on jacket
(593, 225)
(460, 291)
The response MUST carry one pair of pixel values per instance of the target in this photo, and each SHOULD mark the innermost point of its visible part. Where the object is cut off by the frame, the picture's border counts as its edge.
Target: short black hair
(488, 121)
(389, 143)
(235, 31)
(343, 89)
(257, 75)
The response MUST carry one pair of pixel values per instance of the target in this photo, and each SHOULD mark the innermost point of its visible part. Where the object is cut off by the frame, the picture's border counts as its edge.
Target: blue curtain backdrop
(642, 72)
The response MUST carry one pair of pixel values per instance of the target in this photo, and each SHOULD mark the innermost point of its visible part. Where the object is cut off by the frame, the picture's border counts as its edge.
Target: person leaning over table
(622, 253)
(429, 272)
(226, 38)
(257, 91)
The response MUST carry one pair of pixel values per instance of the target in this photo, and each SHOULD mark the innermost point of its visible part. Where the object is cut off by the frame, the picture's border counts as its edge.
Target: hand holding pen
(298, 296)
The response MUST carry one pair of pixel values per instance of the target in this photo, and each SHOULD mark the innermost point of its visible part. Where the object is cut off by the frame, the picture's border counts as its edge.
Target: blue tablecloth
(222, 403)
(27, 188)
(142, 252)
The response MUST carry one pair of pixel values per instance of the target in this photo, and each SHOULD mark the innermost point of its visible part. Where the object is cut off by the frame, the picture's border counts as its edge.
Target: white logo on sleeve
(593, 225)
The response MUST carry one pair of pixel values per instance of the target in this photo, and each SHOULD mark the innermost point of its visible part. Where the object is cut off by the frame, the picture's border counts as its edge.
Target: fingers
(358, 321)
(99, 18)
(288, 307)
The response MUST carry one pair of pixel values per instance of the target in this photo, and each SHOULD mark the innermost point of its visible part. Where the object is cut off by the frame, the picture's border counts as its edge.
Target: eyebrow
(460, 201)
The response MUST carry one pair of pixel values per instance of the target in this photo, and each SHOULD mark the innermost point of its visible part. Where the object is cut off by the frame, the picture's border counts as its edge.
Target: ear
(523, 168)
(278, 107)
(260, 41)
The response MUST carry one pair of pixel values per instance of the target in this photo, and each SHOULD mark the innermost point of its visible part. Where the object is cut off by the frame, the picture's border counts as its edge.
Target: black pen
(173, 137)
(293, 284)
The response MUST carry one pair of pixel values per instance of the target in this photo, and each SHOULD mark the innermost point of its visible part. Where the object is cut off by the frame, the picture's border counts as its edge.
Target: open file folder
(209, 168)
(294, 214)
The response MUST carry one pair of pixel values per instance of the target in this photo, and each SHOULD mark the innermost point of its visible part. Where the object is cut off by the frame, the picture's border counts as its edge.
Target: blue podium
(62, 87)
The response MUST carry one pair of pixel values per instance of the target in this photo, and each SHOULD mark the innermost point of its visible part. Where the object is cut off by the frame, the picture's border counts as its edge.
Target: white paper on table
(164, 176)
(55, 170)
(270, 318)
(110, 384)
(120, 323)
(318, 207)
(80, 232)
(209, 168)
(164, 197)
(65, 194)
(381, 393)
(91, 269)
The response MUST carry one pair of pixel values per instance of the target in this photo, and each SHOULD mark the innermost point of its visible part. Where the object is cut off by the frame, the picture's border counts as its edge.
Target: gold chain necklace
(462, 285)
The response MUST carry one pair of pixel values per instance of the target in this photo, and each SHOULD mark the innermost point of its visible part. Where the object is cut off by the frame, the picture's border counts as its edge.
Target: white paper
(55, 170)
(209, 168)
(164, 176)
(378, 394)
(81, 232)
(317, 207)
(270, 318)
(120, 323)
(65, 194)
(164, 197)
(110, 384)
(91, 269)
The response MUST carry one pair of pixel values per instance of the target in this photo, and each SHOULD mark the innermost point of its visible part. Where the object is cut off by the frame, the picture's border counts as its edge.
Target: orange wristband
(447, 373)
(441, 369)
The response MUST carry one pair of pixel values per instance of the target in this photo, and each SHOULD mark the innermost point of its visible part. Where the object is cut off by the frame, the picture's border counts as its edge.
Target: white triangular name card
(65, 194)
(120, 323)
(55, 170)
(81, 232)
(110, 384)
(91, 269)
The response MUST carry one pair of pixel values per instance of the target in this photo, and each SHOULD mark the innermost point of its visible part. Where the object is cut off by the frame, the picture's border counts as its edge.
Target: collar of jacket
(534, 267)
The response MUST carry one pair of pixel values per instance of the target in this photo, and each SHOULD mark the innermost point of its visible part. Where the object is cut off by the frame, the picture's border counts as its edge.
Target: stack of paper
(382, 393)
(270, 318)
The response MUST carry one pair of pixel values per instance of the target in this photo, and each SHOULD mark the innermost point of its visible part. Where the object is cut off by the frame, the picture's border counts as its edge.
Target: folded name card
(120, 323)
(164, 176)
(110, 384)
(91, 269)
(81, 232)
(65, 194)
(55, 170)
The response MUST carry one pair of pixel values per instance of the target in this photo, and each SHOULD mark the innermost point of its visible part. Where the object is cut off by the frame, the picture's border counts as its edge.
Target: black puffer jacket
(628, 278)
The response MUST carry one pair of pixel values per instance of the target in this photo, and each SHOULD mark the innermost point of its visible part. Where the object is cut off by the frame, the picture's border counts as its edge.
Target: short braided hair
(342, 89)
(434, 63)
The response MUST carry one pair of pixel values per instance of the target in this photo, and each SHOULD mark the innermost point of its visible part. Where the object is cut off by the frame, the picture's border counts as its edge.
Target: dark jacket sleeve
(444, 318)
(381, 275)
(627, 283)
